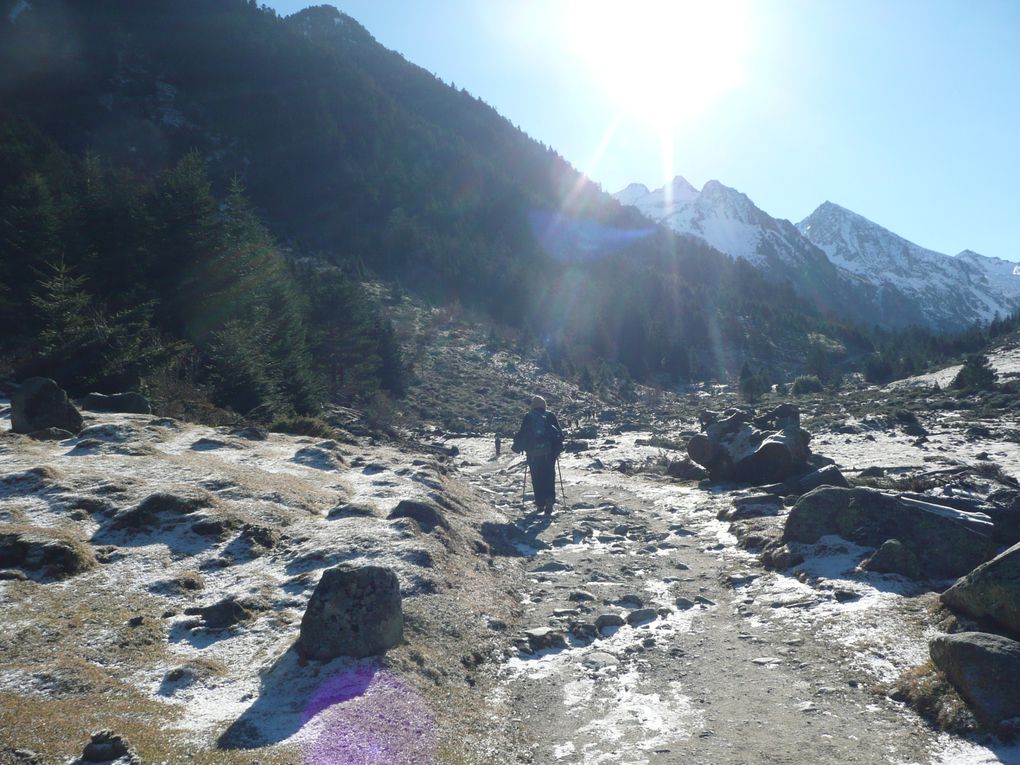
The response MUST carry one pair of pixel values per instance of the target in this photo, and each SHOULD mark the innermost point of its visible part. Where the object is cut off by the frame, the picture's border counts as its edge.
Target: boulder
(985, 670)
(224, 614)
(126, 403)
(353, 612)
(740, 447)
(39, 404)
(946, 542)
(685, 470)
(829, 475)
(754, 506)
(51, 434)
(992, 590)
(893, 557)
(107, 746)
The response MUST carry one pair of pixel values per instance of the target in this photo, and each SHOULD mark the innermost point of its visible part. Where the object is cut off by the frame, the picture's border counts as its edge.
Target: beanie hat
(538, 403)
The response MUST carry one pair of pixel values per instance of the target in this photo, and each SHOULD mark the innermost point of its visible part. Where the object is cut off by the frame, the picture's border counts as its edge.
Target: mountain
(951, 292)
(351, 155)
(730, 222)
(842, 262)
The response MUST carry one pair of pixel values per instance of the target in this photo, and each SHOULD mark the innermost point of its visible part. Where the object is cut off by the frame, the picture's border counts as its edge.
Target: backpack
(543, 437)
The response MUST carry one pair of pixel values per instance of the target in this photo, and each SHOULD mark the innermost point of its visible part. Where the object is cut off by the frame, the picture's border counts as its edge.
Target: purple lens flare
(367, 716)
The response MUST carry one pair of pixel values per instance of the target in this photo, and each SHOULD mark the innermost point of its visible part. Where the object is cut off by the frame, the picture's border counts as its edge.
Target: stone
(985, 670)
(126, 403)
(353, 612)
(222, 615)
(684, 604)
(829, 475)
(945, 541)
(427, 516)
(992, 591)
(605, 621)
(106, 746)
(39, 404)
(893, 557)
(685, 470)
(51, 434)
(740, 447)
(545, 637)
(580, 596)
(642, 616)
(754, 506)
(598, 660)
(48, 551)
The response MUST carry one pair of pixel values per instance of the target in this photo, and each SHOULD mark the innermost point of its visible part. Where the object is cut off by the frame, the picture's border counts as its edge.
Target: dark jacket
(528, 441)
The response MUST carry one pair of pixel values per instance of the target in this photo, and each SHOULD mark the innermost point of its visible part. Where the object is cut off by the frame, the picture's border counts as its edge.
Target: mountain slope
(951, 292)
(352, 154)
(840, 260)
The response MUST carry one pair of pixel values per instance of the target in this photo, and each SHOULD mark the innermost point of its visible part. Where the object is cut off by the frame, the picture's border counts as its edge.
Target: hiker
(541, 438)
(499, 444)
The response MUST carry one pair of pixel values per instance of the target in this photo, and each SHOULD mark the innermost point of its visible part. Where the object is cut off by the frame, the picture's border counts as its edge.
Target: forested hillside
(135, 135)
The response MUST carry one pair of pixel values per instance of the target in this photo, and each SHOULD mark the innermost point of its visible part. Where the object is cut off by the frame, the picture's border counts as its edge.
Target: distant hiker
(541, 438)
(499, 444)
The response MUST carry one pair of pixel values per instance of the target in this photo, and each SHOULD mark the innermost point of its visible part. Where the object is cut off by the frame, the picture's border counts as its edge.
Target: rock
(740, 447)
(545, 637)
(46, 550)
(39, 404)
(353, 612)
(829, 475)
(754, 506)
(224, 614)
(642, 616)
(992, 590)
(51, 434)
(975, 432)
(909, 423)
(600, 660)
(575, 446)
(946, 542)
(873, 472)
(685, 470)
(684, 604)
(604, 621)
(349, 510)
(580, 596)
(106, 746)
(893, 557)
(985, 670)
(126, 403)
(427, 516)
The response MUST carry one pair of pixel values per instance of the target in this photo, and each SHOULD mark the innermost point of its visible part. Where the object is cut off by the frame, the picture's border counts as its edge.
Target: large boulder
(985, 670)
(945, 541)
(737, 446)
(353, 612)
(39, 404)
(992, 590)
(127, 403)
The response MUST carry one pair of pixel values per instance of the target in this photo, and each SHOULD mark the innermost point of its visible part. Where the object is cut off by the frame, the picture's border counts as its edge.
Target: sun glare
(663, 61)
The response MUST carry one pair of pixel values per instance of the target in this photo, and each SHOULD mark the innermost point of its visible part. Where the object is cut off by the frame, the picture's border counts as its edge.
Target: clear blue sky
(905, 111)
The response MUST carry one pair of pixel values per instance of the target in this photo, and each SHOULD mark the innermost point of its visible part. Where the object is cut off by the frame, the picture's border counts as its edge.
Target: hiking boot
(548, 507)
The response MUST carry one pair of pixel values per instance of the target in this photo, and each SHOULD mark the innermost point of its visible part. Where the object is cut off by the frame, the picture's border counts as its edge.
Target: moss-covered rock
(992, 591)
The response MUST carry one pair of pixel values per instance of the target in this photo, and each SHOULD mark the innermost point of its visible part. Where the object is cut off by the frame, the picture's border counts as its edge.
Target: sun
(663, 61)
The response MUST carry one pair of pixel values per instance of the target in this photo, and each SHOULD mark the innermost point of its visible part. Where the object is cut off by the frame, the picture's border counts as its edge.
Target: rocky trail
(655, 639)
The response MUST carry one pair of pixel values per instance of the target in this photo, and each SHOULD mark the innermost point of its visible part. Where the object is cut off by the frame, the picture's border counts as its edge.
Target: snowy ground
(732, 664)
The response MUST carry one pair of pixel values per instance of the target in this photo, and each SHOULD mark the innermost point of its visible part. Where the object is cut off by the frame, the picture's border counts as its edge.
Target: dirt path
(731, 664)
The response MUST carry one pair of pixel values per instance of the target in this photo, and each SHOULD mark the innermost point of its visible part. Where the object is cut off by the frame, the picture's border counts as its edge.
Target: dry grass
(927, 691)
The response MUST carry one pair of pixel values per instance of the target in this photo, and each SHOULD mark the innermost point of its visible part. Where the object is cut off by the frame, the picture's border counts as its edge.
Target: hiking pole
(524, 488)
(563, 493)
